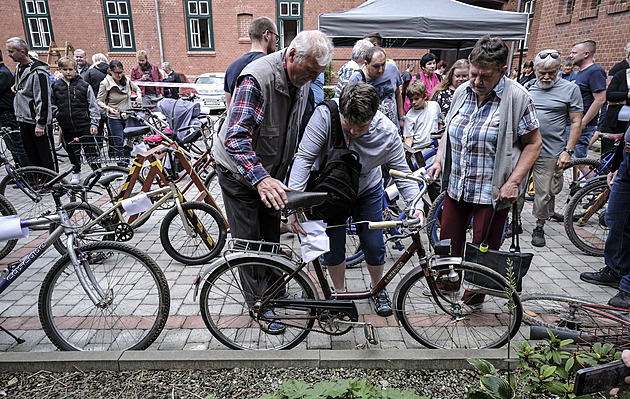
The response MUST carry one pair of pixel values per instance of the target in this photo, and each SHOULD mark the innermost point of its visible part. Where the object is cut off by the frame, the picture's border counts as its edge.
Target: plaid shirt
(473, 134)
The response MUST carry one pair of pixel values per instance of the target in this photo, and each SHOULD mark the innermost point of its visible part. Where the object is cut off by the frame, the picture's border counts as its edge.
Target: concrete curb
(228, 359)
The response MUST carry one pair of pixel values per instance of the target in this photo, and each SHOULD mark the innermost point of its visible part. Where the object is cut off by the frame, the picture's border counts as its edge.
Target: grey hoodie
(32, 100)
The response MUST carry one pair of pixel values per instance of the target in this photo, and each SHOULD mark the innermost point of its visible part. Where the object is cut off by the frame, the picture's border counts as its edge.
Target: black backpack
(338, 176)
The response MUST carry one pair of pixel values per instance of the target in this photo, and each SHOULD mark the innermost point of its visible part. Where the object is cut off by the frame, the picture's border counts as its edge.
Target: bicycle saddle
(106, 180)
(136, 131)
(301, 199)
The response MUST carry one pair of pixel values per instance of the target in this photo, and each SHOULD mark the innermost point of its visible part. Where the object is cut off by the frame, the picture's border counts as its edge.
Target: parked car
(212, 97)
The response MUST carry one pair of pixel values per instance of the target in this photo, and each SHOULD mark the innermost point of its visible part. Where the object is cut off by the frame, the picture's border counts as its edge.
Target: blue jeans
(369, 207)
(115, 128)
(14, 141)
(581, 148)
(617, 248)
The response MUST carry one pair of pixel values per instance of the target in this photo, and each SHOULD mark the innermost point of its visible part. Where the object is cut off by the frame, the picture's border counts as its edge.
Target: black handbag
(498, 261)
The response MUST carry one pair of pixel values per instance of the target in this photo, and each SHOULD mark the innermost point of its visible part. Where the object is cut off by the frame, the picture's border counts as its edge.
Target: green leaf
(555, 387)
(497, 387)
(566, 342)
(511, 380)
(478, 395)
(294, 388)
(483, 366)
(569, 364)
(547, 371)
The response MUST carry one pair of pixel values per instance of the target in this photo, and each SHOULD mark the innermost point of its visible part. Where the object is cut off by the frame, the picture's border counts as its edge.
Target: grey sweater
(381, 145)
(513, 104)
(32, 99)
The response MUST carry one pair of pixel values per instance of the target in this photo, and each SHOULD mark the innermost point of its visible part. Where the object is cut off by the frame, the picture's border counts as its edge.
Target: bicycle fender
(451, 260)
(235, 257)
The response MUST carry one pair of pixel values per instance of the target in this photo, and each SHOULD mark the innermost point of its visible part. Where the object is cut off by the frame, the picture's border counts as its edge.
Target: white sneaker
(470, 309)
(76, 178)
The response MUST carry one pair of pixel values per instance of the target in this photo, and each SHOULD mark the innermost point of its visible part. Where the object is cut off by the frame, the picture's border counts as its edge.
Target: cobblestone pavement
(555, 269)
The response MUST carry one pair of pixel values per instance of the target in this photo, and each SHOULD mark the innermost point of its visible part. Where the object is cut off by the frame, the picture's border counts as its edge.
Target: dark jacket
(617, 92)
(74, 105)
(95, 75)
(172, 92)
(6, 95)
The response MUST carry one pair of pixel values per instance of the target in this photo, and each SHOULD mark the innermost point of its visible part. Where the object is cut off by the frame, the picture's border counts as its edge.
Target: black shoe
(382, 304)
(605, 276)
(538, 237)
(508, 229)
(621, 300)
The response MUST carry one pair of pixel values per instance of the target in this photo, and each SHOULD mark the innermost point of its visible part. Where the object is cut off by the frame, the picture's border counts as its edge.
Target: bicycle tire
(80, 214)
(196, 250)
(435, 213)
(132, 316)
(589, 236)
(232, 322)
(570, 187)
(426, 322)
(34, 177)
(554, 311)
(6, 209)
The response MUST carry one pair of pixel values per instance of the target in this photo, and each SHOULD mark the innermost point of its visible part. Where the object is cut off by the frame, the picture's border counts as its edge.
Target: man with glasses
(264, 37)
(592, 82)
(558, 102)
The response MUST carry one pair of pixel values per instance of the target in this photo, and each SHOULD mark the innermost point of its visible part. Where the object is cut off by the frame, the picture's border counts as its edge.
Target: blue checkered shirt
(473, 134)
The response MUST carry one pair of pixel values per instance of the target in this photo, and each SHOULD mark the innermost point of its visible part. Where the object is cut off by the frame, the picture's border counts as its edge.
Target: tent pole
(518, 9)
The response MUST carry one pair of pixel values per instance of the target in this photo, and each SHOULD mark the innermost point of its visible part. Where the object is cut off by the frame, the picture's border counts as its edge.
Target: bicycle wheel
(209, 232)
(585, 216)
(435, 213)
(562, 312)
(6, 209)
(130, 316)
(575, 177)
(225, 311)
(32, 179)
(429, 323)
(80, 214)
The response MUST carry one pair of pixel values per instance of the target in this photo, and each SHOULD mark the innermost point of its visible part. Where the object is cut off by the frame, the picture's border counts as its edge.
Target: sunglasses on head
(545, 54)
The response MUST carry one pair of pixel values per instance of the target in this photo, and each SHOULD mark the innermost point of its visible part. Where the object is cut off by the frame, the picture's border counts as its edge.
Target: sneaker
(76, 178)
(538, 237)
(605, 276)
(382, 304)
(621, 300)
(467, 309)
(508, 229)
(270, 326)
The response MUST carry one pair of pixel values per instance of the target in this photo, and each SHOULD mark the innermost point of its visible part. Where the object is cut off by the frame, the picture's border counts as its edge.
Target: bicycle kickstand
(18, 340)
(370, 333)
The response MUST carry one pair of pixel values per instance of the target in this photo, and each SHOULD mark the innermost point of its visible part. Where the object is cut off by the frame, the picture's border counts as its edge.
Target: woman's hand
(434, 171)
(113, 112)
(294, 225)
(418, 213)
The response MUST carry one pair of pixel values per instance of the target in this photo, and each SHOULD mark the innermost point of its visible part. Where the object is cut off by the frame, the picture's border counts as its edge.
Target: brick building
(199, 36)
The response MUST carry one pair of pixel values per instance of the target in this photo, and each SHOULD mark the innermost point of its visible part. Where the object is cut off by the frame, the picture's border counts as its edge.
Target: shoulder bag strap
(336, 131)
(515, 247)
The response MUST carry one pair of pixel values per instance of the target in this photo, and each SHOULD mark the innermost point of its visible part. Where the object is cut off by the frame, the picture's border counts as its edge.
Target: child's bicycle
(101, 296)
(281, 305)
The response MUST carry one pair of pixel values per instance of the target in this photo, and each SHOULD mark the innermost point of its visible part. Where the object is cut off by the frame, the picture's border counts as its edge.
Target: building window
(289, 20)
(199, 25)
(37, 18)
(569, 7)
(243, 21)
(119, 25)
(529, 9)
(592, 4)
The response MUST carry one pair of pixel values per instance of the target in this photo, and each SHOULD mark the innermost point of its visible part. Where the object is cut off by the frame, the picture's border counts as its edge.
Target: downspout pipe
(159, 29)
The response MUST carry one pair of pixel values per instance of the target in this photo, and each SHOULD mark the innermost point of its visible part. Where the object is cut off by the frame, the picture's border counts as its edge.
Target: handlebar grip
(58, 178)
(382, 225)
(397, 173)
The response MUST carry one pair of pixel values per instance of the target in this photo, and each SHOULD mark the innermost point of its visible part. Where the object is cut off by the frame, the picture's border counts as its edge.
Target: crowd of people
(82, 96)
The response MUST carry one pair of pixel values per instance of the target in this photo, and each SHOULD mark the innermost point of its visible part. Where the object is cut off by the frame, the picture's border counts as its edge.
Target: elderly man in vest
(259, 140)
(490, 143)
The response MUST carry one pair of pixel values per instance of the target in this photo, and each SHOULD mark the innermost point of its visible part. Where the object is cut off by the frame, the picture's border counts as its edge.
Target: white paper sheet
(10, 228)
(139, 148)
(316, 242)
(137, 204)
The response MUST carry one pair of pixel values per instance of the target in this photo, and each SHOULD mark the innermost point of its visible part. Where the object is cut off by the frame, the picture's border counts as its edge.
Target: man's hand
(112, 111)
(39, 132)
(564, 160)
(509, 192)
(418, 213)
(294, 225)
(610, 179)
(625, 356)
(93, 131)
(272, 193)
(434, 171)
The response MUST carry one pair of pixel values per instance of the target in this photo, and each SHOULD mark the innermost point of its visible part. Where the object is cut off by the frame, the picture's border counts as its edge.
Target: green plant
(328, 74)
(341, 389)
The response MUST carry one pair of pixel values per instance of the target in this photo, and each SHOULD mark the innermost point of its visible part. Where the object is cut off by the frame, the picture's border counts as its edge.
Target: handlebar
(58, 178)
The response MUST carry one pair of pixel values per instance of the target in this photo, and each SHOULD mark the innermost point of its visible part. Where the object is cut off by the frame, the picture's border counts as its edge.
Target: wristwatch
(570, 152)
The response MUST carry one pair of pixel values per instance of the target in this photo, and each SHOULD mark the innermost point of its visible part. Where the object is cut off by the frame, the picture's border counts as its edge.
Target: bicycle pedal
(370, 333)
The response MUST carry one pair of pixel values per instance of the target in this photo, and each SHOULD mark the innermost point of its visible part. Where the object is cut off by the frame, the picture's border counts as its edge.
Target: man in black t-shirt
(264, 36)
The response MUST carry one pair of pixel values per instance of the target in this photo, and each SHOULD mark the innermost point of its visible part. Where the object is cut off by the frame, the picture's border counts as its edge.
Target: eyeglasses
(543, 54)
(276, 35)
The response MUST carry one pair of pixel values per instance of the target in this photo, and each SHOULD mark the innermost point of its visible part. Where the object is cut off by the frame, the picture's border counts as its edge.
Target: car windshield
(213, 80)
